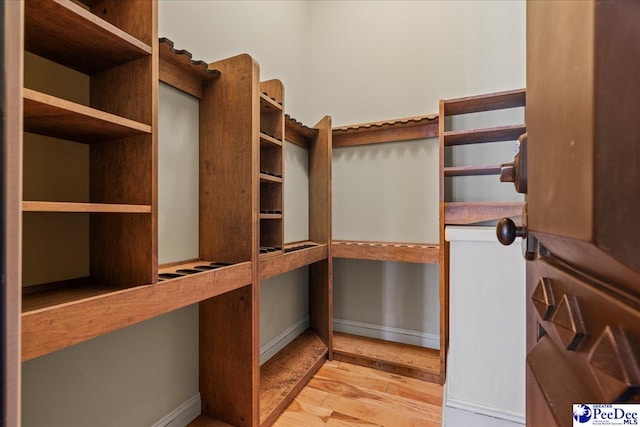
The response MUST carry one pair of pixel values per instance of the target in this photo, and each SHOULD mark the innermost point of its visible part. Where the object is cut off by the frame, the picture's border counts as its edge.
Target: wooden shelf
(487, 102)
(40, 206)
(463, 213)
(298, 133)
(270, 216)
(402, 359)
(388, 131)
(47, 115)
(66, 313)
(269, 105)
(477, 136)
(269, 141)
(386, 251)
(270, 178)
(68, 34)
(472, 170)
(180, 70)
(286, 373)
(289, 261)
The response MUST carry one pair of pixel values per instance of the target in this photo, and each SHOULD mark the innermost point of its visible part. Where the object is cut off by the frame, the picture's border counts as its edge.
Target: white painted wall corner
(182, 415)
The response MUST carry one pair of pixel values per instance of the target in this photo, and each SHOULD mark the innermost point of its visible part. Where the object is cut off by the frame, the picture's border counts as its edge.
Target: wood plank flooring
(346, 395)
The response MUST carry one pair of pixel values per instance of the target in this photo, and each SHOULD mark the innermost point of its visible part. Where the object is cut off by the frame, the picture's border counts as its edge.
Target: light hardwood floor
(346, 395)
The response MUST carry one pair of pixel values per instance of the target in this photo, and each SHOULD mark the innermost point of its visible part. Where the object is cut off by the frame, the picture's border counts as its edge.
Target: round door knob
(507, 231)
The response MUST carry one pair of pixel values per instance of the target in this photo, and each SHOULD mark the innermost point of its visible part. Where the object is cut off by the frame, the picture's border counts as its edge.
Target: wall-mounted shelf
(39, 206)
(463, 213)
(386, 251)
(284, 375)
(50, 116)
(67, 313)
(68, 34)
(180, 70)
(299, 133)
(387, 131)
(477, 136)
(472, 170)
(402, 359)
(486, 102)
(269, 141)
(293, 259)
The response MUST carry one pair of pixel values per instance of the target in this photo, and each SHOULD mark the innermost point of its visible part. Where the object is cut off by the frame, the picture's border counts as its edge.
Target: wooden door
(582, 206)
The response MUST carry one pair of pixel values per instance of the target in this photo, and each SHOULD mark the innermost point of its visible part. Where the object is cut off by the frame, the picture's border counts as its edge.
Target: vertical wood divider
(444, 256)
(229, 208)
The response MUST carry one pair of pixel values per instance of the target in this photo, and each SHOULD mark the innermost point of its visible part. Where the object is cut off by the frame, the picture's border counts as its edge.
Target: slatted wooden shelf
(204, 421)
(285, 374)
(270, 178)
(270, 216)
(47, 115)
(386, 251)
(58, 315)
(178, 69)
(291, 260)
(402, 359)
(487, 102)
(405, 129)
(472, 170)
(66, 33)
(298, 133)
(477, 136)
(44, 206)
(269, 141)
(268, 104)
(462, 213)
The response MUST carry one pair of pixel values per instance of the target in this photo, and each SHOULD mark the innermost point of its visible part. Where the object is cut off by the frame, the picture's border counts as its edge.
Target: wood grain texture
(388, 131)
(285, 262)
(228, 158)
(272, 94)
(386, 251)
(180, 70)
(12, 84)
(342, 394)
(486, 102)
(443, 276)
(136, 17)
(271, 234)
(472, 170)
(229, 357)
(321, 301)
(298, 133)
(402, 359)
(286, 373)
(66, 316)
(51, 116)
(37, 206)
(204, 421)
(64, 32)
(478, 136)
(463, 213)
(266, 140)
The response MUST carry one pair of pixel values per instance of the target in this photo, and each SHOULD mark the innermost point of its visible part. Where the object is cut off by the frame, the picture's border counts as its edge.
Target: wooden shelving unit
(387, 251)
(464, 213)
(409, 128)
(116, 47)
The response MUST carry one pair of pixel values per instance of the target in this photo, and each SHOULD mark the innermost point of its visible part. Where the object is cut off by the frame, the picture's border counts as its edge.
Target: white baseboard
(183, 414)
(270, 349)
(486, 410)
(388, 333)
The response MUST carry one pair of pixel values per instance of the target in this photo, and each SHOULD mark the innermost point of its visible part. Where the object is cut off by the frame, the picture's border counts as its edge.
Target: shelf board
(289, 261)
(402, 359)
(478, 136)
(487, 102)
(285, 374)
(269, 141)
(269, 178)
(40, 206)
(269, 105)
(63, 314)
(462, 213)
(405, 129)
(50, 116)
(472, 170)
(179, 69)
(204, 421)
(386, 251)
(68, 34)
(298, 133)
(270, 216)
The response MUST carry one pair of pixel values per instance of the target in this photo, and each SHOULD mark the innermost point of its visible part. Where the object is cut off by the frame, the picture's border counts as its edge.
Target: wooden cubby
(114, 45)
